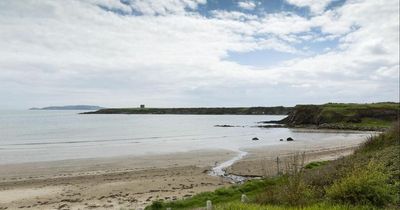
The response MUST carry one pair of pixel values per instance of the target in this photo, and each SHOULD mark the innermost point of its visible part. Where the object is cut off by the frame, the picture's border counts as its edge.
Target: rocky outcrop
(343, 116)
(303, 114)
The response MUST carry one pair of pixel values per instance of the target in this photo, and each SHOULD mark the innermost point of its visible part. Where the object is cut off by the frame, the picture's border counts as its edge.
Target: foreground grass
(244, 206)
(368, 179)
(222, 195)
(316, 164)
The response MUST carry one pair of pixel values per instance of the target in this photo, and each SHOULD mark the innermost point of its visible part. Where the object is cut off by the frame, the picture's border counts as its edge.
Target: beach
(132, 182)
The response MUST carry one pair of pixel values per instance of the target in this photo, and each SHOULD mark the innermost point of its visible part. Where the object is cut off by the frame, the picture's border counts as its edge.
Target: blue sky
(175, 53)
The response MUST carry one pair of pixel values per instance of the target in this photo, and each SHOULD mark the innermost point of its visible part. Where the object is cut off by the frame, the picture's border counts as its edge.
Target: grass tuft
(365, 186)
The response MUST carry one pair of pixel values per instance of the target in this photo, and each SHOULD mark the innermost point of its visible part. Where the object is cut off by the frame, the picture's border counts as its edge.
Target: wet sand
(111, 183)
(134, 182)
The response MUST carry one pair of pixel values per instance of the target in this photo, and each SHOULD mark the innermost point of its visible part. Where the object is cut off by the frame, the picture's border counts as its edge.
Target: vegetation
(222, 195)
(368, 179)
(375, 116)
(315, 164)
(242, 206)
(279, 110)
(363, 186)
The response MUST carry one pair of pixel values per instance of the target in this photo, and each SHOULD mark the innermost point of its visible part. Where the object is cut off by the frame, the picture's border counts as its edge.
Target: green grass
(327, 206)
(375, 122)
(364, 185)
(315, 164)
(222, 195)
(346, 106)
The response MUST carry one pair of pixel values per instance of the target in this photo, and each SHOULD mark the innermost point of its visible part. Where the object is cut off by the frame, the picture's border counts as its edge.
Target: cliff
(373, 116)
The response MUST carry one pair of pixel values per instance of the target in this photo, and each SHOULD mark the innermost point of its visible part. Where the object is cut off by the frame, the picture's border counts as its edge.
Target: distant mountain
(70, 107)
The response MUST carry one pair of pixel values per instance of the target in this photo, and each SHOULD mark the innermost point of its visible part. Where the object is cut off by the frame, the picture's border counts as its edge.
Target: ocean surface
(31, 136)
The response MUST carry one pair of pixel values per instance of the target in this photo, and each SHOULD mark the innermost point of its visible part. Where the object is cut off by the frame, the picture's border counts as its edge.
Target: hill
(374, 116)
(69, 107)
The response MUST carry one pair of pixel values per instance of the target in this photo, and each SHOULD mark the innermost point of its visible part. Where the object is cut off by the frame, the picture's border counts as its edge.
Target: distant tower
(142, 106)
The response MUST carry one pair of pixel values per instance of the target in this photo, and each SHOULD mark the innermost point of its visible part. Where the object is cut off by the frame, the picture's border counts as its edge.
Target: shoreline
(341, 127)
(105, 165)
(134, 182)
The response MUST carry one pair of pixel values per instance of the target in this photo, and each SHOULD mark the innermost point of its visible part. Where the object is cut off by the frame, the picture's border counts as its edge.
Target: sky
(197, 53)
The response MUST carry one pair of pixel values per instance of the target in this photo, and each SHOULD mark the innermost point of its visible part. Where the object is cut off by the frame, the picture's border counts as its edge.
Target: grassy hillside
(279, 110)
(368, 179)
(374, 116)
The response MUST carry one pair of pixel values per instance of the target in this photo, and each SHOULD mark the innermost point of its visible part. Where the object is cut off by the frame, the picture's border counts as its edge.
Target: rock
(71, 200)
(92, 206)
(224, 126)
(289, 139)
(244, 198)
(63, 206)
(108, 205)
(255, 139)
(280, 139)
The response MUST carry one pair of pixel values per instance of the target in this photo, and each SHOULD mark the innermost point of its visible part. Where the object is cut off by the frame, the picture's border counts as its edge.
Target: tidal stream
(220, 170)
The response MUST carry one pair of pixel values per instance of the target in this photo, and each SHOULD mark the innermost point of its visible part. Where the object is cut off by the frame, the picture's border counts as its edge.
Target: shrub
(318, 206)
(390, 138)
(315, 164)
(156, 205)
(364, 185)
(292, 190)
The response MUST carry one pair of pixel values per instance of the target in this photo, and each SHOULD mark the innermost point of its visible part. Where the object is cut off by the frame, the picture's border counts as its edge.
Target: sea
(43, 135)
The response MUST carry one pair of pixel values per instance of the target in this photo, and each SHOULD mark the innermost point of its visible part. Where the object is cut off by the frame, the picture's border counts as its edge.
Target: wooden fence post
(277, 164)
(209, 205)
(244, 198)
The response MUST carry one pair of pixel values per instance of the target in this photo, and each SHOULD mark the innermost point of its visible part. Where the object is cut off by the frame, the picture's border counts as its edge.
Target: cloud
(165, 53)
(247, 5)
(155, 7)
(315, 6)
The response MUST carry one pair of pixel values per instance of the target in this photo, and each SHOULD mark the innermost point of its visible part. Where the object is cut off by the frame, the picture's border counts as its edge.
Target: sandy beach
(134, 182)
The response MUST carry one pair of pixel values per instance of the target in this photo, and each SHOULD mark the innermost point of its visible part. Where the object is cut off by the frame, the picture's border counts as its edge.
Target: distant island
(69, 107)
(278, 110)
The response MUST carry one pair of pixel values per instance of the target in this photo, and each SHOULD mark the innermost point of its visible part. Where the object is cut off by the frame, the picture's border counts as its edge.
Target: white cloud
(233, 15)
(316, 6)
(113, 5)
(247, 5)
(170, 55)
(284, 24)
(156, 7)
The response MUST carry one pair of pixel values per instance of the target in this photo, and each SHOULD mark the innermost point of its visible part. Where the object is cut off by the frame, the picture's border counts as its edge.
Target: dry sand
(133, 182)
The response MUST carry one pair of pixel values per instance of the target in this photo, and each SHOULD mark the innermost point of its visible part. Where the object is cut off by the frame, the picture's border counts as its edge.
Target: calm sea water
(30, 136)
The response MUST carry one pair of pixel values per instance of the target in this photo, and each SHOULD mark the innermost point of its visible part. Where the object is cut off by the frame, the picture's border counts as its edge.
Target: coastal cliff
(374, 116)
